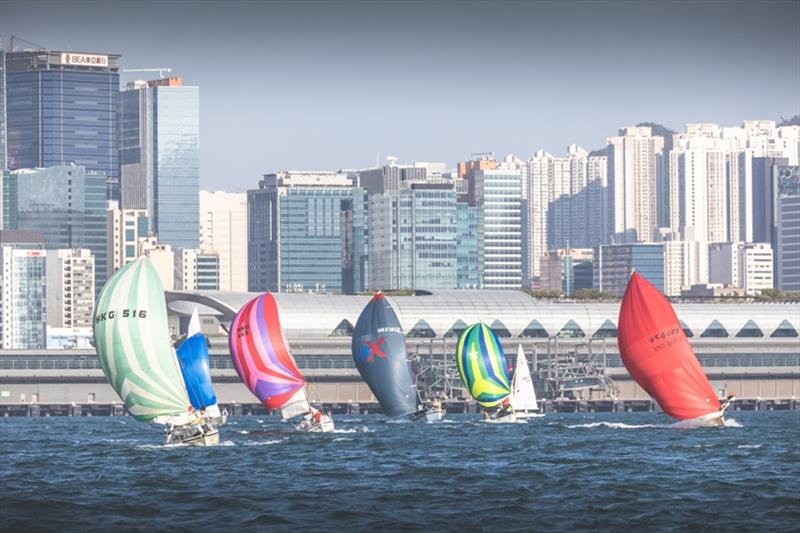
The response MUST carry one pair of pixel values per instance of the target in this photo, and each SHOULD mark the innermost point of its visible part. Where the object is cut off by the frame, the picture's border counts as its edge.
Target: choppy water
(561, 472)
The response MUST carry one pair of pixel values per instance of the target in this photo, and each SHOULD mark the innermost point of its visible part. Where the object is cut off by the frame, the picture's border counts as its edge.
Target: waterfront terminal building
(752, 350)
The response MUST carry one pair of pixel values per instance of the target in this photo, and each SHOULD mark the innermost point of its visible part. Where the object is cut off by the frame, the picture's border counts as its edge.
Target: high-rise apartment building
(686, 263)
(70, 288)
(68, 205)
(568, 203)
(498, 194)
(61, 108)
(125, 227)
(787, 254)
(223, 230)
(3, 122)
(635, 162)
(294, 231)
(412, 238)
(160, 157)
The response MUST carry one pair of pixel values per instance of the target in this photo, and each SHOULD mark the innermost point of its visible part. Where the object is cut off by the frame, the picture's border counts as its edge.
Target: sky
(330, 85)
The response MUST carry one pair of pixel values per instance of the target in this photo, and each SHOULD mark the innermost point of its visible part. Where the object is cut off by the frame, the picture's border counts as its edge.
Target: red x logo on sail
(375, 349)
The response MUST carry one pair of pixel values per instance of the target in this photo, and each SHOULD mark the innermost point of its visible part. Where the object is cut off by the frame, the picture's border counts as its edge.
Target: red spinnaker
(657, 353)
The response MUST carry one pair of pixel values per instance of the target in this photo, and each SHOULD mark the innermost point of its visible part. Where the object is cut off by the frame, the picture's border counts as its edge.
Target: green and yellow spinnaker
(482, 365)
(133, 344)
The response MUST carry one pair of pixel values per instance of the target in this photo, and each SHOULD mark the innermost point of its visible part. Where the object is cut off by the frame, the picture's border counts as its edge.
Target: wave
(750, 446)
(342, 439)
(362, 429)
(732, 423)
(615, 425)
(264, 442)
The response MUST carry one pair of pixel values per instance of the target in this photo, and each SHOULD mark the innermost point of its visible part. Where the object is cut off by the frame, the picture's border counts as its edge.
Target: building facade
(196, 270)
(23, 302)
(787, 256)
(412, 238)
(62, 109)
(68, 204)
(498, 194)
(125, 227)
(294, 232)
(223, 230)
(614, 263)
(160, 157)
(635, 162)
(70, 288)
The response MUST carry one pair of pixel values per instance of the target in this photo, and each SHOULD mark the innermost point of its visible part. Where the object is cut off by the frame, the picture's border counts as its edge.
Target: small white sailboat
(523, 396)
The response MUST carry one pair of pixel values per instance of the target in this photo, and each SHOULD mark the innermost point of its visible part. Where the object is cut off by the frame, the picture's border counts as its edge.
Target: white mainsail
(523, 397)
(194, 323)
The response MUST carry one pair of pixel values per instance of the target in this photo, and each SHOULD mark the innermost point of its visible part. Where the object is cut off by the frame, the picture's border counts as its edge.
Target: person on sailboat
(506, 408)
(727, 401)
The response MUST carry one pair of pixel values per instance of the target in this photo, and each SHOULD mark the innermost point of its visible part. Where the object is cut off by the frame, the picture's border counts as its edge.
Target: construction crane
(160, 70)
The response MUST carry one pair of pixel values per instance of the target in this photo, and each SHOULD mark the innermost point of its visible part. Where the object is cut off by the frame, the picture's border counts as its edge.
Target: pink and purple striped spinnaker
(260, 354)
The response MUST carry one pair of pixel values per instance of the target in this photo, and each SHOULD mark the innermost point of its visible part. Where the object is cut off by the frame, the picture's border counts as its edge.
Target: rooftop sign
(91, 60)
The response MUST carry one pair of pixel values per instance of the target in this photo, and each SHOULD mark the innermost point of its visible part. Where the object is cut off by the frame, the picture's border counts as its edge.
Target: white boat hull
(434, 415)
(528, 414)
(509, 418)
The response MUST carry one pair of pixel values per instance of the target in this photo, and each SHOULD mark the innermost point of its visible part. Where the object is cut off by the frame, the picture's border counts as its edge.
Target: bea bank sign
(90, 60)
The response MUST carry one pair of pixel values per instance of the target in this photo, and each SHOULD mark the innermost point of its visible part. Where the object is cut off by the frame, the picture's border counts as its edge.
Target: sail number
(126, 313)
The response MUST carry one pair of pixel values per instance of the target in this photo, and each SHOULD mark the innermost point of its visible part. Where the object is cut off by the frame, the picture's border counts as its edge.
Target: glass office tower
(160, 157)
(68, 204)
(61, 108)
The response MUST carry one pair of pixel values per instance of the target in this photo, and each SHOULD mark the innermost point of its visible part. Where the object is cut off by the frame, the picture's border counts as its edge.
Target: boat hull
(509, 418)
(307, 425)
(528, 414)
(202, 438)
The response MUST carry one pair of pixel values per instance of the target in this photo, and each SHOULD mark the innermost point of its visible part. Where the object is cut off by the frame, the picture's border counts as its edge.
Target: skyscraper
(294, 231)
(223, 230)
(787, 256)
(498, 194)
(160, 157)
(23, 305)
(68, 204)
(61, 108)
(635, 169)
(412, 238)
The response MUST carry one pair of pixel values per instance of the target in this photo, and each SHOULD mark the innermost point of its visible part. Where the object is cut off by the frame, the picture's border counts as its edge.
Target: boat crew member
(727, 401)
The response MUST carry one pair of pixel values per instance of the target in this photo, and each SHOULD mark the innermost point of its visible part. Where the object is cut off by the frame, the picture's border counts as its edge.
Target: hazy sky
(307, 85)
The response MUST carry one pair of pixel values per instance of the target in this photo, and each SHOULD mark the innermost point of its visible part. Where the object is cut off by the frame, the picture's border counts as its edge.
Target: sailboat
(262, 358)
(133, 344)
(523, 396)
(658, 356)
(195, 366)
(482, 366)
(380, 354)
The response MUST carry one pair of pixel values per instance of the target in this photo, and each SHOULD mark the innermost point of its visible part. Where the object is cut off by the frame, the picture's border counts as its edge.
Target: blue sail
(379, 351)
(193, 357)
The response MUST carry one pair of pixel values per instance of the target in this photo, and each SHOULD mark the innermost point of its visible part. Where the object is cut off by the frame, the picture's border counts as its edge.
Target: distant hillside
(794, 121)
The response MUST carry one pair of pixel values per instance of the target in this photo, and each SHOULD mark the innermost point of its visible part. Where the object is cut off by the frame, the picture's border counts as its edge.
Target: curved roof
(318, 315)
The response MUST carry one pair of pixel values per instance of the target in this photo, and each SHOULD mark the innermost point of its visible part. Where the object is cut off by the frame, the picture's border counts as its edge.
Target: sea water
(561, 472)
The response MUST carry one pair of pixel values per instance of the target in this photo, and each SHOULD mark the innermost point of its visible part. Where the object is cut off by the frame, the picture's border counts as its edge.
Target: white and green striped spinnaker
(133, 344)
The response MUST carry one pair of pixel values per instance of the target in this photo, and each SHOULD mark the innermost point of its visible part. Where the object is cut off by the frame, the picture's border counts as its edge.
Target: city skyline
(469, 78)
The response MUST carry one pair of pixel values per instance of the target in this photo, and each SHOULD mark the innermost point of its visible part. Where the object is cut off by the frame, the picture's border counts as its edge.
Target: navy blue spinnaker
(379, 351)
